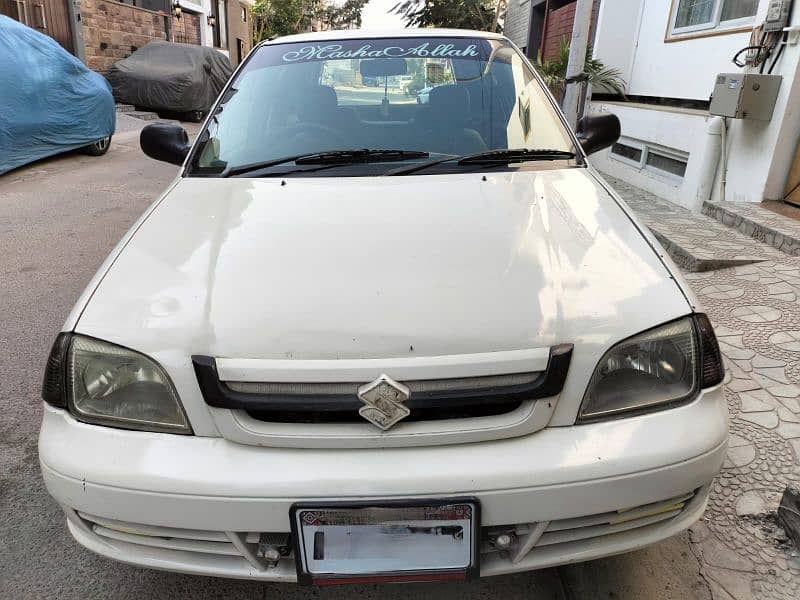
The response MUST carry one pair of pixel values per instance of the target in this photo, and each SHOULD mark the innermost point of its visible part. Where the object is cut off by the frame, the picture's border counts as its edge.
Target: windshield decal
(338, 51)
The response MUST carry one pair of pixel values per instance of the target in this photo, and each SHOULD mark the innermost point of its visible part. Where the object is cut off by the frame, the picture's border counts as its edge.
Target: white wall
(683, 130)
(630, 37)
(615, 36)
(653, 67)
(680, 69)
(761, 152)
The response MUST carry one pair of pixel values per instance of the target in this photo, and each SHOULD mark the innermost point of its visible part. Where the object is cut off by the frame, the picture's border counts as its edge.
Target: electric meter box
(745, 95)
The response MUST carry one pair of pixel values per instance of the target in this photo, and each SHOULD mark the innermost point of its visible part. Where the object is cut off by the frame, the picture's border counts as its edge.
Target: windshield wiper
(492, 157)
(362, 155)
(514, 155)
(333, 157)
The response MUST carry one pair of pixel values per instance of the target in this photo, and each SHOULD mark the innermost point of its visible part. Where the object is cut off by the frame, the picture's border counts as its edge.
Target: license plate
(430, 540)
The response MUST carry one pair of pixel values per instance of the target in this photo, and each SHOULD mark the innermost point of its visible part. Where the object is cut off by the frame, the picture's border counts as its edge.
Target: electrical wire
(736, 56)
(780, 51)
(768, 48)
(759, 48)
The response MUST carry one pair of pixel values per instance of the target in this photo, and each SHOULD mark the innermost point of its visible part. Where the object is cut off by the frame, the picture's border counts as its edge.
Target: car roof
(358, 34)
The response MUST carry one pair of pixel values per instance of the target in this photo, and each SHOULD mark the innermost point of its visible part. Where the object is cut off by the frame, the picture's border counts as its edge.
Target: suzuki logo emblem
(383, 402)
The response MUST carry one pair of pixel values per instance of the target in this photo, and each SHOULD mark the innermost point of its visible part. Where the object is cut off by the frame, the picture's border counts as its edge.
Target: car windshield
(424, 98)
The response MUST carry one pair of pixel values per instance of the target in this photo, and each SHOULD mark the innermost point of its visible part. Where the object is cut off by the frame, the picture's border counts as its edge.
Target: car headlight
(657, 369)
(105, 384)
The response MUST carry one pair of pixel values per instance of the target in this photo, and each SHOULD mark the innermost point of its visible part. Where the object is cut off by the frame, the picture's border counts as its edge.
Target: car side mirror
(162, 141)
(598, 132)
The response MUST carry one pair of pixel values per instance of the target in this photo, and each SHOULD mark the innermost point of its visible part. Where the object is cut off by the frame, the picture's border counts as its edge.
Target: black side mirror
(161, 141)
(596, 133)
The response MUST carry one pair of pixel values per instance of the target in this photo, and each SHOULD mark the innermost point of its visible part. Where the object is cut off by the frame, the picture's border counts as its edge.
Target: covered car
(166, 76)
(51, 102)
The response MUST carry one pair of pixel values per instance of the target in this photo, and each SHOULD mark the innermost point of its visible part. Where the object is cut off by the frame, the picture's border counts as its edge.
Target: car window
(444, 97)
(354, 90)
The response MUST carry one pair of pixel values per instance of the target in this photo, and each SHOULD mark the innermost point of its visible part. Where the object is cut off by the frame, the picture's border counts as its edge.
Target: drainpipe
(723, 178)
(711, 159)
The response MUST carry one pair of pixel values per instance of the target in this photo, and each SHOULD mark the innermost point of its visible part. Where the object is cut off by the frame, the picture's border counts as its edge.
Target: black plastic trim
(217, 394)
(54, 384)
(712, 367)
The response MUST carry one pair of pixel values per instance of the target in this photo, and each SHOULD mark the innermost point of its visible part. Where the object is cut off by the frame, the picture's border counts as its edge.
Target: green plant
(457, 14)
(554, 72)
(274, 18)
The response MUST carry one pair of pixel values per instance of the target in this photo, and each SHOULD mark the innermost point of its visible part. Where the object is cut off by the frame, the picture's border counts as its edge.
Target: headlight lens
(655, 368)
(110, 385)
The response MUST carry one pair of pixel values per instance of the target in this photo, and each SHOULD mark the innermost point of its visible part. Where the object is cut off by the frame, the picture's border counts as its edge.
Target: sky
(376, 15)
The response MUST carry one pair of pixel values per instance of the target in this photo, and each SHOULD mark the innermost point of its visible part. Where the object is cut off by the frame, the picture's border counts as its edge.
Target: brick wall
(112, 31)
(559, 25)
(187, 29)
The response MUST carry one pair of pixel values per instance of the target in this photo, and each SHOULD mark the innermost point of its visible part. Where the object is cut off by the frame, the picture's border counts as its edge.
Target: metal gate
(50, 17)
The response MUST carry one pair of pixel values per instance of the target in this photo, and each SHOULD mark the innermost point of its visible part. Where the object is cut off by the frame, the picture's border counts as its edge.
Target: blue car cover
(49, 101)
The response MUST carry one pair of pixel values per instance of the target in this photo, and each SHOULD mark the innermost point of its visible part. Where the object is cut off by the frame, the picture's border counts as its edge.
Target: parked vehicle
(166, 76)
(383, 341)
(51, 103)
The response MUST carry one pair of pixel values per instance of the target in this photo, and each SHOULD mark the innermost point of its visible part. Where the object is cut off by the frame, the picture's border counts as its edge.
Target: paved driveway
(58, 220)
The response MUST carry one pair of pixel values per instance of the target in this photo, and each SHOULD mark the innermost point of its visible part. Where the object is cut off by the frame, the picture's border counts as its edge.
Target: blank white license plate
(374, 542)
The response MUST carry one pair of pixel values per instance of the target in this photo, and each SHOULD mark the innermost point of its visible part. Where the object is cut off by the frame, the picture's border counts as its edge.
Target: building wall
(615, 38)
(517, 21)
(238, 29)
(559, 26)
(683, 130)
(631, 37)
(186, 29)
(680, 69)
(112, 31)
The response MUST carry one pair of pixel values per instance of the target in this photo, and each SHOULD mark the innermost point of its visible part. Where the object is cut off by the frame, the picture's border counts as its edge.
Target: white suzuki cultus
(364, 338)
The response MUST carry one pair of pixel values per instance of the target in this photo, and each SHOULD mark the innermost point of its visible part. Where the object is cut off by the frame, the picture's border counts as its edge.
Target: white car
(383, 341)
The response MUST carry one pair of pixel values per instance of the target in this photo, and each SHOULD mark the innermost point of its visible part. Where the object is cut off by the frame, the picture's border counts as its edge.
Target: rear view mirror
(168, 143)
(383, 67)
(599, 132)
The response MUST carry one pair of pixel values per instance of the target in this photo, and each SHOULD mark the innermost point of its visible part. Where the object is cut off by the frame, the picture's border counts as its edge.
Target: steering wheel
(328, 134)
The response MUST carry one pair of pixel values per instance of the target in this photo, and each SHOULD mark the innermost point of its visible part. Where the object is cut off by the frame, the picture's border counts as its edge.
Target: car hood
(379, 267)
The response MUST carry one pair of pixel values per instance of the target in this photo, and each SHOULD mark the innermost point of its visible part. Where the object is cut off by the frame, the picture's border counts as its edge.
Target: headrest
(447, 96)
(314, 100)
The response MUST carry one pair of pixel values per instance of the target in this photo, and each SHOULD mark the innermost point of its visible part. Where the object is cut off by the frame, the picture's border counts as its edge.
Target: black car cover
(170, 76)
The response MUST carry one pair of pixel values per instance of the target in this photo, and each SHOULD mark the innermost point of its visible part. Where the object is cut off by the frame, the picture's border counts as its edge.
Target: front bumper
(121, 489)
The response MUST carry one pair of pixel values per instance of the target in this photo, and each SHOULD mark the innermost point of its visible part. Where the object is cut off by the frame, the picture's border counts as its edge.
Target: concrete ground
(59, 218)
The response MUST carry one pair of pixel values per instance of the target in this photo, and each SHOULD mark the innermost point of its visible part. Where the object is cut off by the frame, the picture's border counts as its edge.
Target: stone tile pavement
(759, 223)
(756, 311)
(695, 242)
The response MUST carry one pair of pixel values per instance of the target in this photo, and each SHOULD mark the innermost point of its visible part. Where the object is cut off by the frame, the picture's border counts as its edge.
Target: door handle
(44, 18)
(22, 16)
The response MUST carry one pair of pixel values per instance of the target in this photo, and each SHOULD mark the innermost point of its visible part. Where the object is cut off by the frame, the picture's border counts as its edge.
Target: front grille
(338, 402)
(351, 415)
(346, 411)
(531, 537)
(351, 389)
(211, 543)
